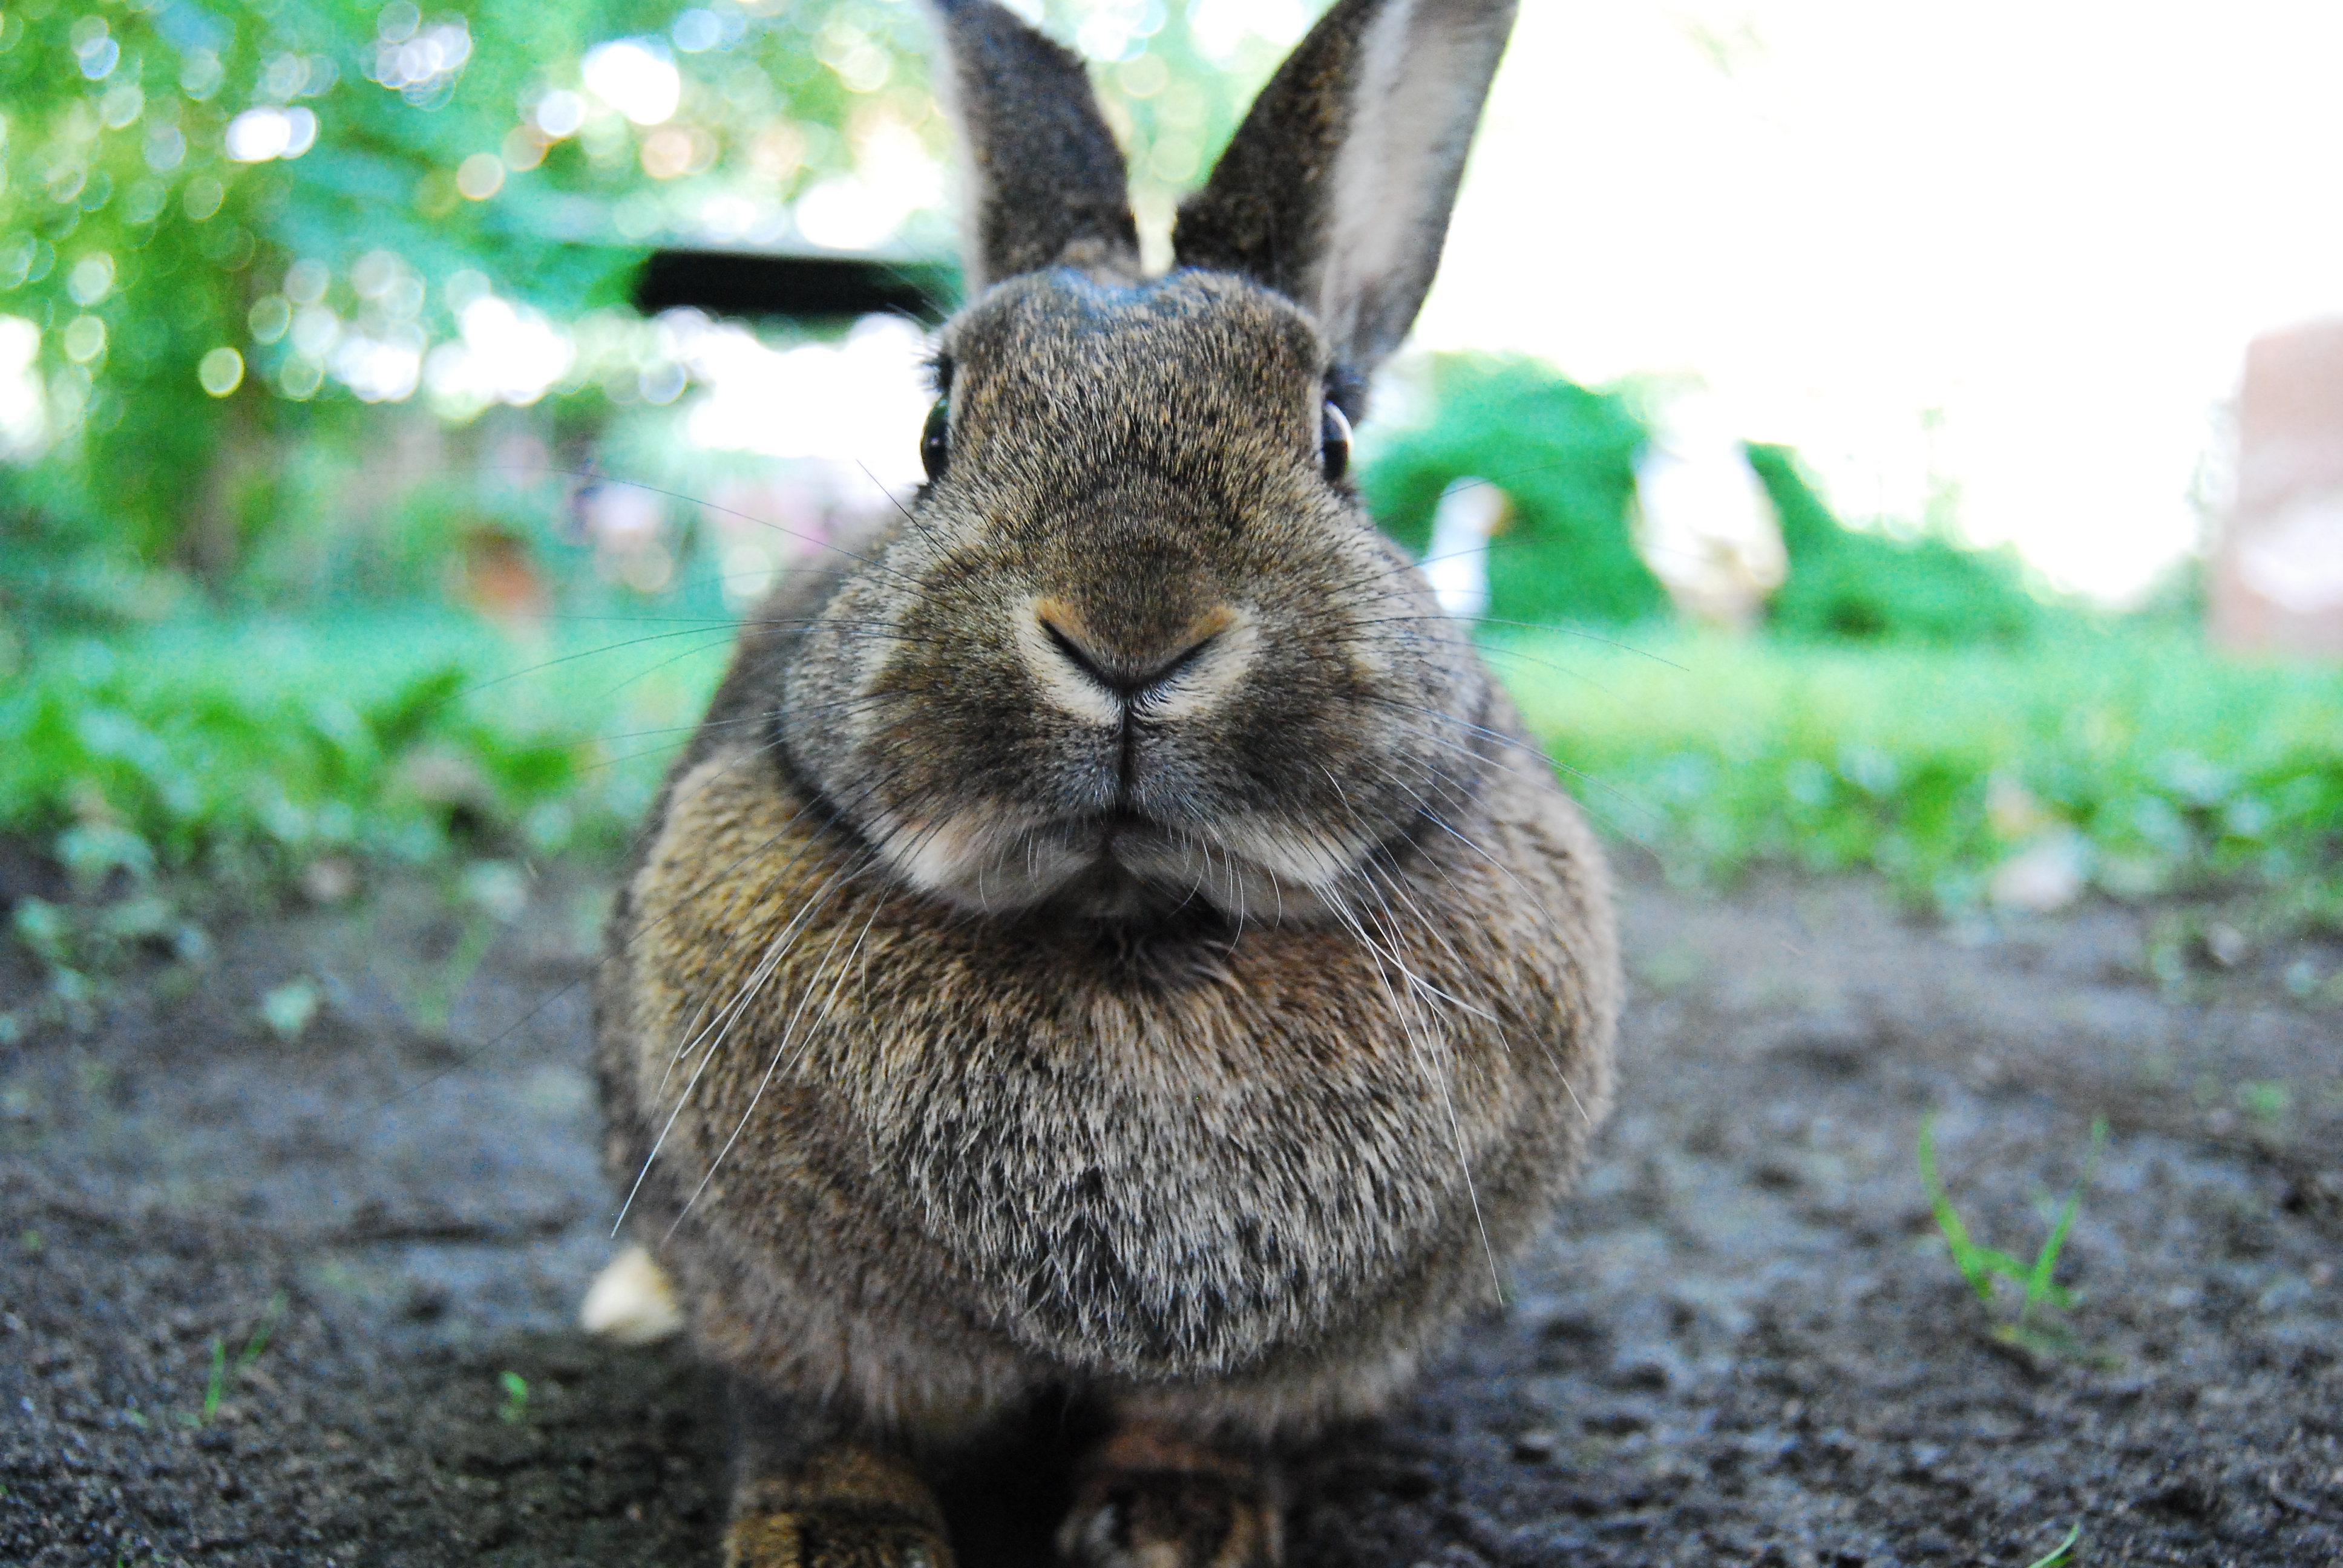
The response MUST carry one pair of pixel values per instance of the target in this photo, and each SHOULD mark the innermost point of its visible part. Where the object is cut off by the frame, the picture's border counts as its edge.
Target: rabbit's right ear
(1335, 191)
(1046, 184)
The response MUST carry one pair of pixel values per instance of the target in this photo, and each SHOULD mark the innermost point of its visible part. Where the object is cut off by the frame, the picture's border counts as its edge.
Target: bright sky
(2054, 224)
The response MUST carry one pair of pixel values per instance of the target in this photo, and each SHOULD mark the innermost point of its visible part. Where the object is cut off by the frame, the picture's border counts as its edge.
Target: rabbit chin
(1121, 866)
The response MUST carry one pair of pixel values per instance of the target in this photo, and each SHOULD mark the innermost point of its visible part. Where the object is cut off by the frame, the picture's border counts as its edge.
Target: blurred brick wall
(2277, 581)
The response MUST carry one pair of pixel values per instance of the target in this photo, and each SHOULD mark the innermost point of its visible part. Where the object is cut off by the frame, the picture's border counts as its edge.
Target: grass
(2062, 1554)
(260, 747)
(434, 1002)
(2148, 765)
(1986, 1267)
(224, 1371)
(516, 1406)
(253, 751)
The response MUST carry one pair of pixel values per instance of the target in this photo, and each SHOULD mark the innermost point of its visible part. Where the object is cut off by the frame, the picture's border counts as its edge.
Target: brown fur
(996, 1160)
(1110, 938)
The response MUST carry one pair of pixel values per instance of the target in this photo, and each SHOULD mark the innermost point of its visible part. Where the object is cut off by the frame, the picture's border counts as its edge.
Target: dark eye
(935, 439)
(1333, 442)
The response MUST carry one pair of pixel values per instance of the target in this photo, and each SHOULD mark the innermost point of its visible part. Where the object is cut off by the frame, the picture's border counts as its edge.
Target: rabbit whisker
(1390, 925)
(1535, 903)
(1558, 631)
(465, 1059)
(729, 1015)
(747, 1111)
(1623, 797)
(771, 878)
(596, 479)
(1428, 1061)
(896, 501)
(1380, 877)
(1369, 866)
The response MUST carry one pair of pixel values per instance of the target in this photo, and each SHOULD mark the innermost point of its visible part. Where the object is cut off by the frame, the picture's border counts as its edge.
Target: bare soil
(1744, 1343)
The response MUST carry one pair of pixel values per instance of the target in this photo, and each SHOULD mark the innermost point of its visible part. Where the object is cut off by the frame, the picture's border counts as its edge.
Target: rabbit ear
(1336, 189)
(1046, 184)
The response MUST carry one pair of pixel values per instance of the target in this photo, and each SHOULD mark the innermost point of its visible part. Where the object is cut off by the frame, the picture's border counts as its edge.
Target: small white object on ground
(2046, 876)
(630, 1301)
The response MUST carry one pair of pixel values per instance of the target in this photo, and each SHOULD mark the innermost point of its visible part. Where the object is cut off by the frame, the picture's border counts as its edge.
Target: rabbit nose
(1123, 673)
(1127, 674)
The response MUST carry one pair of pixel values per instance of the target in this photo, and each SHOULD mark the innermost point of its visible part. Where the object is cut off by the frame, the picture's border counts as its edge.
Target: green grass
(253, 750)
(1984, 1268)
(2158, 766)
(2062, 1554)
(225, 1371)
(259, 746)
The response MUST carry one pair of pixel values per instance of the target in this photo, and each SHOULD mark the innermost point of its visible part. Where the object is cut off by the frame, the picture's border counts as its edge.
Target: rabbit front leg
(807, 1494)
(1150, 1497)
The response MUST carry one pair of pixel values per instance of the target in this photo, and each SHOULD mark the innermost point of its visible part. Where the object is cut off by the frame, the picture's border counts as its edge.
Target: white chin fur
(997, 865)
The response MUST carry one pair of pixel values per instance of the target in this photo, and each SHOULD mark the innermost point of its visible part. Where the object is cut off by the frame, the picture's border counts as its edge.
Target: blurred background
(1867, 437)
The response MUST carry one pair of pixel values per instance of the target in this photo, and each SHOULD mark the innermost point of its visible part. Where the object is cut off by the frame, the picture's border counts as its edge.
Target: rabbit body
(1001, 1157)
(1109, 936)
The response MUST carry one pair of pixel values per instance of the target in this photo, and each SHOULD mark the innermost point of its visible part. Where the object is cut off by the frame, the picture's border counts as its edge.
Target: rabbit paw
(1150, 1500)
(848, 1509)
(832, 1538)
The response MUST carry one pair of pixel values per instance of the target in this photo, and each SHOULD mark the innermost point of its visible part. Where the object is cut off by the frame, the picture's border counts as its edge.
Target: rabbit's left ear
(1336, 189)
(1046, 184)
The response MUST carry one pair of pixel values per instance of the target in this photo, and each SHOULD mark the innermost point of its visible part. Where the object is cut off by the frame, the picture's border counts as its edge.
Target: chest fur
(1121, 1171)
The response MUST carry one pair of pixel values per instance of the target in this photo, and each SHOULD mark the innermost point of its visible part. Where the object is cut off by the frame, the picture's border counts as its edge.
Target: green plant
(287, 1008)
(1983, 1266)
(2063, 1554)
(434, 1001)
(224, 1371)
(1565, 454)
(2167, 768)
(1861, 586)
(162, 256)
(249, 751)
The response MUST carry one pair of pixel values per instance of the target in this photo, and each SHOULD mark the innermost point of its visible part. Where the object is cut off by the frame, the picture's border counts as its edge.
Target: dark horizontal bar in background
(743, 283)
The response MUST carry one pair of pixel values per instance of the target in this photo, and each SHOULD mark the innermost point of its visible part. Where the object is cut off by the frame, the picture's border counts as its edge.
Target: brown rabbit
(1109, 940)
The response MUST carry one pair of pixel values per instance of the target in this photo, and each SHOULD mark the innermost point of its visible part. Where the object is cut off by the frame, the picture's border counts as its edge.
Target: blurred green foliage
(1565, 457)
(2137, 758)
(235, 236)
(244, 751)
(1864, 586)
(141, 230)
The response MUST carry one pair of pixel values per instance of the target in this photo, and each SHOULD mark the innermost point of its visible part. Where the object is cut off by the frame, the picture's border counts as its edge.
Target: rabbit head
(1136, 647)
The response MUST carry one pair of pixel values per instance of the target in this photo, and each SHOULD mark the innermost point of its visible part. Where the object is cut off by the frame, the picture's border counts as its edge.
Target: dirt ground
(1743, 1343)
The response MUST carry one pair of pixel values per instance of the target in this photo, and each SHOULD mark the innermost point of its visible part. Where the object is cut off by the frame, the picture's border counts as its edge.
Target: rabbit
(1109, 940)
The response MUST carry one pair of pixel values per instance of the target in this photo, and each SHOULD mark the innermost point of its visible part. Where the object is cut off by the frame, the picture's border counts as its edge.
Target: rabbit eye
(1333, 442)
(935, 439)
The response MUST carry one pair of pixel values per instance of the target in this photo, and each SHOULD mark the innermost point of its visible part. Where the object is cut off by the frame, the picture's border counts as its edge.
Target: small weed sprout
(2063, 1554)
(1981, 1266)
(435, 1002)
(2266, 1101)
(215, 1387)
(516, 1405)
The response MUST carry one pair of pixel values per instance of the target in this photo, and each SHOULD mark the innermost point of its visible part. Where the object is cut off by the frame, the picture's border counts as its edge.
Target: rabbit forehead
(1195, 357)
